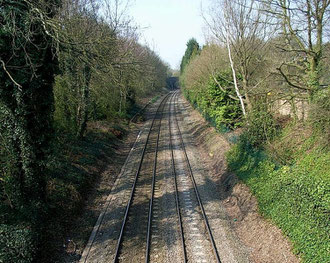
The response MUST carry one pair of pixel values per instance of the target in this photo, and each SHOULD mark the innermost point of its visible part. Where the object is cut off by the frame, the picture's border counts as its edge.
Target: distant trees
(87, 46)
(192, 50)
(103, 67)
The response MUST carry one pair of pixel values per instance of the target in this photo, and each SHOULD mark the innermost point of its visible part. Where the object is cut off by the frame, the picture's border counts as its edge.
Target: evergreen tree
(192, 50)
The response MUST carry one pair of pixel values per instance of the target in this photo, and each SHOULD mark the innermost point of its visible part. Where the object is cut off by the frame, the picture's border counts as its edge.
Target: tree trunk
(234, 75)
(313, 75)
(246, 94)
(83, 107)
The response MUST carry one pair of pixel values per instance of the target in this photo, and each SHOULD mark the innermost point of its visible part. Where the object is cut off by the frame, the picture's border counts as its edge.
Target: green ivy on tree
(28, 65)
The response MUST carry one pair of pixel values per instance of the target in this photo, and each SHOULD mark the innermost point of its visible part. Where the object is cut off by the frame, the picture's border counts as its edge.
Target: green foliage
(296, 197)
(17, 244)
(208, 85)
(65, 105)
(101, 69)
(216, 105)
(112, 94)
(292, 142)
(192, 50)
(26, 102)
(260, 125)
(28, 66)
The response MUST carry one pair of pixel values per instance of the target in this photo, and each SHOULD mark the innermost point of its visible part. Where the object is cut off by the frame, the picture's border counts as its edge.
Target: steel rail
(215, 250)
(154, 172)
(119, 242)
(99, 221)
(176, 189)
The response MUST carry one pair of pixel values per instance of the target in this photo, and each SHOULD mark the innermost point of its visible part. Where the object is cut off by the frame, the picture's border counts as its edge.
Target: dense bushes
(207, 85)
(282, 79)
(216, 106)
(260, 126)
(295, 197)
(288, 170)
(17, 244)
(285, 161)
(320, 114)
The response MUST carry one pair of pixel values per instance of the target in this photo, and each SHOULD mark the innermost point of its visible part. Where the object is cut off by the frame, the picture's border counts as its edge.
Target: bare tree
(302, 29)
(244, 29)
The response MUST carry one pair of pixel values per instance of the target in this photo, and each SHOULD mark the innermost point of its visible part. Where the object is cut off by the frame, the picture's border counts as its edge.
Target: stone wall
(285, 107)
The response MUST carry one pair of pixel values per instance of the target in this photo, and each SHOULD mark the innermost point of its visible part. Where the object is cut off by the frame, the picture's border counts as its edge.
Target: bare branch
(9, 75)
(288, 81)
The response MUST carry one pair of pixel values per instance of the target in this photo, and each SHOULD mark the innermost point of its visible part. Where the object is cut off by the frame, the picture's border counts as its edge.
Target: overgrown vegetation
(76, 168)
(63, 66)
(295, 196)
(270, 56)
(206, 84)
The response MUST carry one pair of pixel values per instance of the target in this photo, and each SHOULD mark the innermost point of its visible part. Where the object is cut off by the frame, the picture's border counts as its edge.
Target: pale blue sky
(168, 25)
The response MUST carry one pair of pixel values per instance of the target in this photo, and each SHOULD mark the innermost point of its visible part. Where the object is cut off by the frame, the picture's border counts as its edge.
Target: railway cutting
(155, 212)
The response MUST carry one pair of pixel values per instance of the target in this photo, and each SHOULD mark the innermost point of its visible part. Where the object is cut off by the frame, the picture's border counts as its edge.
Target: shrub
(17, 244)
(261, 126)
(65, 105)
(215, 105)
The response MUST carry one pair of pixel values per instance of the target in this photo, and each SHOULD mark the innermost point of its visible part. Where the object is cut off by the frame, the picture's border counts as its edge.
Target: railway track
(196, 235)
(131, 219)
(137, 238)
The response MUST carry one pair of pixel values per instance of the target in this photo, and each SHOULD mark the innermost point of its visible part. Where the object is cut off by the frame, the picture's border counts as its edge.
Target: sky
(167, 25)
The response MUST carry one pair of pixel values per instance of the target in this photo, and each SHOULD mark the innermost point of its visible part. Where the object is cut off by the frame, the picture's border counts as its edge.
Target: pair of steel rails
(160, 110)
